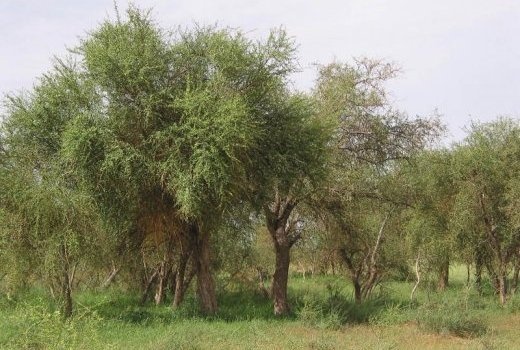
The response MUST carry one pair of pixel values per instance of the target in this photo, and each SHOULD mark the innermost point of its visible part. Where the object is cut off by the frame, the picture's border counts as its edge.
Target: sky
(460, 57)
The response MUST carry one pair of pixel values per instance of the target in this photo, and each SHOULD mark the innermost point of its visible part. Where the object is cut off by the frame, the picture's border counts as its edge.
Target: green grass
(324, 317)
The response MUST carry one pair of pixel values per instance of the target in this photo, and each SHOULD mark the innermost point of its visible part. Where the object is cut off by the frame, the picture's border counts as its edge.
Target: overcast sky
(459, 56)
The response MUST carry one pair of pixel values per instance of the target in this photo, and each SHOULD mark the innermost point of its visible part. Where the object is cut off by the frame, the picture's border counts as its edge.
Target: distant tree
(486, 175)
(431, 192)
(370, 138)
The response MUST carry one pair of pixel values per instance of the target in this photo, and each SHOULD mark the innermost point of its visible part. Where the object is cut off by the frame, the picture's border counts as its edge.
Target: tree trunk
(502, 286)
(205, 282)
(163, 277)
(516, 275)
(148, 287)
(357, 290)
(280, 279)
(66, 295)
(179, 280)
(443, 277)
(479, 264)
(66, 284)
(284, 234)
(110, 277)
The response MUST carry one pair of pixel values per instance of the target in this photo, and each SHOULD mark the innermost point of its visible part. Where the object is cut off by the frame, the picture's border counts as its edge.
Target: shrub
(450, 319)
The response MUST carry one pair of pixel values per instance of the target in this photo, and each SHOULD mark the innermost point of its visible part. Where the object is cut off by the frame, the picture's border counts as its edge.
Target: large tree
(180, 127)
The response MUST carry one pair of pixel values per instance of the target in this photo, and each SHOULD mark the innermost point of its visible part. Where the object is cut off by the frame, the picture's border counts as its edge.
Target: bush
(450, 319)
(37, 327)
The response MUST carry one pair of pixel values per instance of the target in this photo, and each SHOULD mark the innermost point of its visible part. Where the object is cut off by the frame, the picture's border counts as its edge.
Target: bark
(179, 279)
(516, 275)
(502, 288)
(373, 277)
(479, 264)
(417, 276)
(280, 279)
(358, 297)
(205, 282)
(163, 277)
(110, 277)
(66, 295)
(443, 276)
(66, 284)
(262, 276)
(148, 287)
(283, 234)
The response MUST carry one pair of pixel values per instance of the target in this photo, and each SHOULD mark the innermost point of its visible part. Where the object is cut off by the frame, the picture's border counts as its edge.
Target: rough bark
(280, 279)
(205, 282)
(283, 234)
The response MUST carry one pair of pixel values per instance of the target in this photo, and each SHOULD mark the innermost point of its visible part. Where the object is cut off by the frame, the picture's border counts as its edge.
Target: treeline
(157, 158)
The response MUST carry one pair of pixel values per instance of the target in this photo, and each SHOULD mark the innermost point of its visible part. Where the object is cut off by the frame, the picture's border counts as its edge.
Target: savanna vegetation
(172, 189)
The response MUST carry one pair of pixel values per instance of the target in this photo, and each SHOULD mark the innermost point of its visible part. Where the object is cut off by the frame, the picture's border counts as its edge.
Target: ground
(324, 317)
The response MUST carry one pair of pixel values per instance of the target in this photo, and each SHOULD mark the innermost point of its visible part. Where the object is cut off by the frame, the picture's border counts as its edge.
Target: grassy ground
(324, 317)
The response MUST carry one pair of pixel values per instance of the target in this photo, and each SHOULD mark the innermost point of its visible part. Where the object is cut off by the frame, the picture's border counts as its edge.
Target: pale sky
(459, 56)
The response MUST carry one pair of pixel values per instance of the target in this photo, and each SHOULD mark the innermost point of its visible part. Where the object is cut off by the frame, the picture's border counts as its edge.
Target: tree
(370, 138)
(432, 193)
(49, 222)
(486, 176)
(179, 124)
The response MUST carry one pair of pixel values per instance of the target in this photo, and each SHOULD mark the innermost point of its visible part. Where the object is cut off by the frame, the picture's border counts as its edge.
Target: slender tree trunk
(205, 282)
(110, 277)
(67, 295)
(502, 286)
(479, 264)
(417, 276)
(358, 297)
(66, 292)
(280, 279)
(179, 280)
(443, 277)
(516, 275)
(163, 277)
(148, 287)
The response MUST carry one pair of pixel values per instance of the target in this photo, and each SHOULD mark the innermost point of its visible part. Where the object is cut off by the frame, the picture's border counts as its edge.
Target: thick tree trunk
(443, 277)
(280, 279)
(284, 234)
(205, 282)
